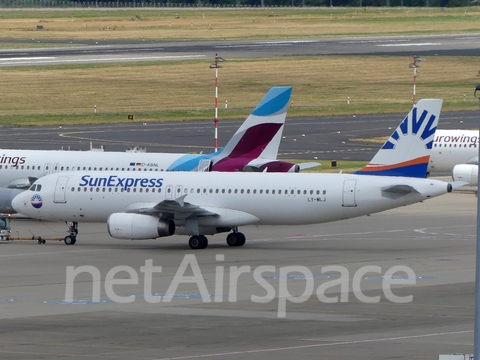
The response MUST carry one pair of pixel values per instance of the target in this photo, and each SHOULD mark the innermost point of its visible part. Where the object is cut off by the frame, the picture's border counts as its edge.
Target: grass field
(185, 90)
(211, 24)
(162, 91)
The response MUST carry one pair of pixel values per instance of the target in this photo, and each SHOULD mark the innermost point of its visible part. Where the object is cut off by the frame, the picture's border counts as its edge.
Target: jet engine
(466, 172)
(138, 226)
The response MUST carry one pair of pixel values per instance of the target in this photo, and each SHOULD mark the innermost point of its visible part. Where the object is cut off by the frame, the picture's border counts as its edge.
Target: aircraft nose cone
(18, 202)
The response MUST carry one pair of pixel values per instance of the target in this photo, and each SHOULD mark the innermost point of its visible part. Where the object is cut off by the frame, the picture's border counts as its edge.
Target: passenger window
(318, 192)
(97, 189)
(324, 192)
(84, 189)
(109, 189)
(279, 191)
(72, 189)
(211, 191)
(236, 191)
(22, 167)
(146, 190)
(100, 169)
(91, 189)
(261, 191)
(204, 190)
(254, 191)
(140, 190)
(273, 192)
(229, 191)
(304, 192)
(198, 191)
(79, 189)
(223, 191)
(266, 191)
(216, 191)
(103, 189)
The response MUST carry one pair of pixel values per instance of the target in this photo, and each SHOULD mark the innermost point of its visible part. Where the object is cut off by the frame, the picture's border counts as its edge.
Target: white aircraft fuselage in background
(453, 147)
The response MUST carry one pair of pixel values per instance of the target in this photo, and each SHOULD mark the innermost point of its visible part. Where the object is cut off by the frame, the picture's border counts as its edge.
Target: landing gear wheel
(204, 240)
(70, 240)
(197, 242)
(236, 239)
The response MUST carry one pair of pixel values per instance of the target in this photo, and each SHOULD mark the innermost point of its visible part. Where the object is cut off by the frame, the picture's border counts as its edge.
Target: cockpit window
(35, 187)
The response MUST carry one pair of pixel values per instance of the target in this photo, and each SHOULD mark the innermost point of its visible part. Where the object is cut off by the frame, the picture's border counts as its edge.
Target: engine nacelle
(466, 172)
(138, 226)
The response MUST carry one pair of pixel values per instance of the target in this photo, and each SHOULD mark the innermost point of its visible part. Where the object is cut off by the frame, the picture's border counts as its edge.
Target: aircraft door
(349, 193)
(46, 169)
(169, 193)
(60, 190)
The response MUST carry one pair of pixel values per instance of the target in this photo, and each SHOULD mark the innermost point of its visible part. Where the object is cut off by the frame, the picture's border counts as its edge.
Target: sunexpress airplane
(254, 147)
(151, 205)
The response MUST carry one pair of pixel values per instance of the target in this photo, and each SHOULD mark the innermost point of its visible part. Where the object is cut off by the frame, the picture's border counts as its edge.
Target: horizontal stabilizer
(473, 160)
(457, 184)
(400, 189)
(309, 165)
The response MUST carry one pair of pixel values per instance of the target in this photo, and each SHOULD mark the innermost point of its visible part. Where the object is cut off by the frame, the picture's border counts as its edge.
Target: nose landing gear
(71, 238)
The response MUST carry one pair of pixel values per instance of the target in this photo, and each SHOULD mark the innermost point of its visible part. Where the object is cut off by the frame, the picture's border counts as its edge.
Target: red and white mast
(217, 60)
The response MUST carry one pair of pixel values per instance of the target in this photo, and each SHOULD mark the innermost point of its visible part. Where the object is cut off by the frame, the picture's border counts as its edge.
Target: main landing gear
(236, 239)
(198, 242)
(201, 242)
(71, 238)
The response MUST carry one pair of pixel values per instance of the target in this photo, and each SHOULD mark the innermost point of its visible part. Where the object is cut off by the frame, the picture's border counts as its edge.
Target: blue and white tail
(407, 151)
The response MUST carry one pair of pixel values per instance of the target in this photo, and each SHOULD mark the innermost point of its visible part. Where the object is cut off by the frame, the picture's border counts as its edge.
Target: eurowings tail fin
(407, 151)
(261, 133)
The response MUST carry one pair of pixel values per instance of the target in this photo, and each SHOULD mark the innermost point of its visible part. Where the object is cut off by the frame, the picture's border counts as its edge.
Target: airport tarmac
(73, 51)
(436, 239)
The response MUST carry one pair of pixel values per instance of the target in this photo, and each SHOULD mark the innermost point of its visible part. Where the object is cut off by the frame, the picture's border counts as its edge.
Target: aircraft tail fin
(261, 133)
(407, 151)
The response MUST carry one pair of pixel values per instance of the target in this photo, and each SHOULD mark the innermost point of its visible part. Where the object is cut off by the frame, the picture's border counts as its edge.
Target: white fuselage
(235, 198)
(452, 147)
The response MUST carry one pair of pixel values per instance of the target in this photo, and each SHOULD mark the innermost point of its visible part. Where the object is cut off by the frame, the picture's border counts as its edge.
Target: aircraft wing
(170, 209)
